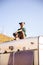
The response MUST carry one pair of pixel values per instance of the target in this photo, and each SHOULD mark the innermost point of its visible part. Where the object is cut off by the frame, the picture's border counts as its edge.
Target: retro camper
(20, 52)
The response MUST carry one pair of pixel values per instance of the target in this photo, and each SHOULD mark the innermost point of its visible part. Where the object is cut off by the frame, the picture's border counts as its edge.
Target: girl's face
(22, 25)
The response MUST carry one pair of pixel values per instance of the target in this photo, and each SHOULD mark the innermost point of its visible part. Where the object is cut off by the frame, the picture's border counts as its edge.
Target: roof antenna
(2, 29)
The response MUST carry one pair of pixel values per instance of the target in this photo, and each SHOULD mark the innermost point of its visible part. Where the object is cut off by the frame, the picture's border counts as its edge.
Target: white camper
(20, 52)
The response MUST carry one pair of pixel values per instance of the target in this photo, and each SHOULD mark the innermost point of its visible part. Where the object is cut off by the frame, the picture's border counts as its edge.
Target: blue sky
(14, 11)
